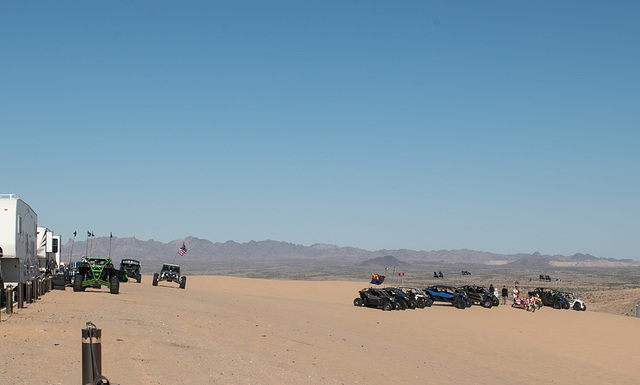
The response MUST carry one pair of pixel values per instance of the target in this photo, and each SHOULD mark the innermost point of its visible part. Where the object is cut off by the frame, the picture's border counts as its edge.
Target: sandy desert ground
(227, 330)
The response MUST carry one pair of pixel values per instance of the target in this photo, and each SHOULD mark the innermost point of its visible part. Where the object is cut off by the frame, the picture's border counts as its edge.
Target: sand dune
(224, 330)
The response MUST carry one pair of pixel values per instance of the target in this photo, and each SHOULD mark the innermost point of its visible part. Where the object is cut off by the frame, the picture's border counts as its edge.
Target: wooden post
(91, 353)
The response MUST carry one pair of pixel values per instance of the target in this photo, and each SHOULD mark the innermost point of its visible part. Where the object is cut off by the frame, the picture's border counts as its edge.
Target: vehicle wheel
(357, 302)
(155, 279)
(387, 306)
(495, 301)
(114, 284)
(576, 306)
(487, 303)
(459, 303)
(139, 278)
(420, 303)
(77, 283)
(557, 305)
(565, 305)
(468, 302)
(183, 282)
(584, 307)
(428, 302)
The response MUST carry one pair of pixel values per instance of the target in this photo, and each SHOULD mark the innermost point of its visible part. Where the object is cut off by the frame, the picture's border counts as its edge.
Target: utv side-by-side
(96, 272)
(372, 297)
(550, 297)
(480, 295)
(443, 293)
(132, 268)
(170, 273)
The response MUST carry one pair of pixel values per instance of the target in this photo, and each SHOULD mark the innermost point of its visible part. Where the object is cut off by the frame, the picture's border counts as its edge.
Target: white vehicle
(575, 303)
(48, 248)
(419, 295)
(18, 236)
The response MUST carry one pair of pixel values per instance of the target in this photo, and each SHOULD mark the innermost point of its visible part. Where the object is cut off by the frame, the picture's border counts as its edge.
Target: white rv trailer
(48, 247)
(18, 235)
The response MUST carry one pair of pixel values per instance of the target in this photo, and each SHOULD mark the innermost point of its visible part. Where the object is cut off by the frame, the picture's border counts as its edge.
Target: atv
(96, 272)
(132, 268)
(171, 273)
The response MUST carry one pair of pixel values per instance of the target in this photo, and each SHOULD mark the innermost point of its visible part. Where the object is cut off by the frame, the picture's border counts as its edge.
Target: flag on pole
(182, 250)
(377, 279)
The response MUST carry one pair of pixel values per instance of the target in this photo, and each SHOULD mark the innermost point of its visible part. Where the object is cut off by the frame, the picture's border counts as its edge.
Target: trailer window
(19, 224)
(55, 245)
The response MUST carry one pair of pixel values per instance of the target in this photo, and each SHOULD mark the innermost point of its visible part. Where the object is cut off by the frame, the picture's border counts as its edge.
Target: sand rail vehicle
(480, 295)
(131, 267)
(575, 302)
(170, 273)
(422, 299)
(378, 298)
(96, 272)
(443, 293)
(550, 297)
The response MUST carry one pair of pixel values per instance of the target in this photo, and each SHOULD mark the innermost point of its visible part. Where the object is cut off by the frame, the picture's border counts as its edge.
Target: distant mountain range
(202, 252)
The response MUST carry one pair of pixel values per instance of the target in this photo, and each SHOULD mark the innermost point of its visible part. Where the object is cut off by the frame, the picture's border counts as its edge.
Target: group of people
(505, 294)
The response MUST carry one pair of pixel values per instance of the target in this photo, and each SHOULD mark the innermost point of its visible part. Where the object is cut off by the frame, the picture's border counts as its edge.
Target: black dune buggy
(480, 295)
(96, 272)
(132, 268)
(422, 300)
(551, 297)
(170, 273)
(372, 297)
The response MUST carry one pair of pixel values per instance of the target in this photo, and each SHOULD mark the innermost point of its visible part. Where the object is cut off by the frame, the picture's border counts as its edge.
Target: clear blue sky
(502, 126)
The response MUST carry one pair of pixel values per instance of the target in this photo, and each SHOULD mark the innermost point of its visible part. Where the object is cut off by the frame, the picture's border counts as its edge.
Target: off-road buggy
(378, 298)
(422, 299)
(171, 273)
(132, 268)
(403, 301)
(442, 293)
(480, 295)
(550, 297)
(96, 272)
(575, 302)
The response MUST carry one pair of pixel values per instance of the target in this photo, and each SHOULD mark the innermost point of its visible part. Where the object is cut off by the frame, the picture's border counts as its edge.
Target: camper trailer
(18, 236)
(48, 249)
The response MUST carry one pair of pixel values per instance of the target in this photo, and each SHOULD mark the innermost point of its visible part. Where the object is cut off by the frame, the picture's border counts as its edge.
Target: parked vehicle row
(392, 298)
(408, 297)
(558, 299)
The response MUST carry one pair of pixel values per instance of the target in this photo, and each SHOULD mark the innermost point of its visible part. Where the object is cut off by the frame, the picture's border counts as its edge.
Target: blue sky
(502, 126)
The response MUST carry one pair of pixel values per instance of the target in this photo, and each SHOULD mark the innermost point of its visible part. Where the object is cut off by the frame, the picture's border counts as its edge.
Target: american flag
(183, 249)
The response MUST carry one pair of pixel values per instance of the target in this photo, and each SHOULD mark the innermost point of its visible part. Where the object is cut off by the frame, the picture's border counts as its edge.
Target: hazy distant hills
(202, 252)
(386, 261)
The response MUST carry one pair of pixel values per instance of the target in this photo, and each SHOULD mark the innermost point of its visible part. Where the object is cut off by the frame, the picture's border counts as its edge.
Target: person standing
(505, 294)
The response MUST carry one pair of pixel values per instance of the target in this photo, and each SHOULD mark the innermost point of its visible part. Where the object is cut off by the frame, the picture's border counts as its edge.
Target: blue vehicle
(450, 294)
